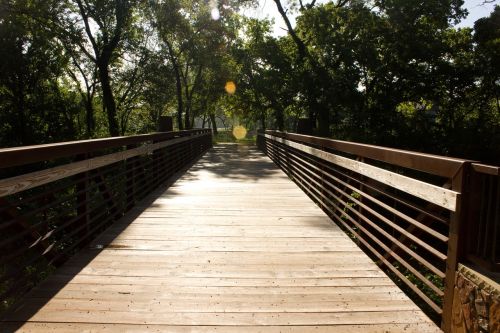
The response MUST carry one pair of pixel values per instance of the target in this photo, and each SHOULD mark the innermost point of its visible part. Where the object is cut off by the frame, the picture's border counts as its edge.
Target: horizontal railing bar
(390, 196)
(64, 199)
(381, 218)
(20, 183)
(378, 190)
(51, 232)
(408, 266)
(403, 216)
(15, 156)
(64, 227)
(95, 185)
(380, 230)
(486, 169)
(400, 275)
(431, 193)
(434, 164)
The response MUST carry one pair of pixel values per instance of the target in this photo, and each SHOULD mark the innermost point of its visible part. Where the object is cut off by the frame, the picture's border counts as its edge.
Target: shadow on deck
(232, 246)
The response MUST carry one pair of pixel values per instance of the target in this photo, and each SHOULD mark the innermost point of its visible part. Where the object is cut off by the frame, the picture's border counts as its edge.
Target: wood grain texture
(24, 182)
(232, 246)
(431, 193)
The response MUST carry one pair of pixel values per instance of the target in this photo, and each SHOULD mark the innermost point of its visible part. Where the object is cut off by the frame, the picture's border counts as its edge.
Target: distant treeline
(393, 72)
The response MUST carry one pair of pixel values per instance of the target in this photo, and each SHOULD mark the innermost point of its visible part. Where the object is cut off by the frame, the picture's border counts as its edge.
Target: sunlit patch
(239, 132)
(215, 14)
(230, 87)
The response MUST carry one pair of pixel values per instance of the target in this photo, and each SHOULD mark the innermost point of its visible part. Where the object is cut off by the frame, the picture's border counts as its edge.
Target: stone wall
(476, 302)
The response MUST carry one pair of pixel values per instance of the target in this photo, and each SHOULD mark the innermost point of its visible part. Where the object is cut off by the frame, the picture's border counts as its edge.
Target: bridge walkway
(232, 246)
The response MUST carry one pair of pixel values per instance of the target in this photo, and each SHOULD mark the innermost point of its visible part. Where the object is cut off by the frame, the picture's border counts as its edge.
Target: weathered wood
(434, 164)
(455, 244)
(215, 253)
(113, 328)
(24, 182)
(14, 156)
(431, 193)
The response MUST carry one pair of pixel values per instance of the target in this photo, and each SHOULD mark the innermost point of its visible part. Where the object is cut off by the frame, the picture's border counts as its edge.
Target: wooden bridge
(170, 237)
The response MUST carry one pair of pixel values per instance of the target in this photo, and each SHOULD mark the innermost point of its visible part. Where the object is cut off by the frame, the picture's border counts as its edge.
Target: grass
(228, 137)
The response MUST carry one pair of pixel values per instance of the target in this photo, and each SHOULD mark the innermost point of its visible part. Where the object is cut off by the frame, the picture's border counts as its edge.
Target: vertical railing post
(130, 180)
(82, 198)
(456, 241)
(156, 166)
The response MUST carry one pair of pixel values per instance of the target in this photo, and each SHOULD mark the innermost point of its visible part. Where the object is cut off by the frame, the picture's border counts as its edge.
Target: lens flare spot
(230, 87)
(239, 132)
(215, 14)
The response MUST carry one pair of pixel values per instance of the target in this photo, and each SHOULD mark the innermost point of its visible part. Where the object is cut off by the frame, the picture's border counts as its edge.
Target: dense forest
(390, 72)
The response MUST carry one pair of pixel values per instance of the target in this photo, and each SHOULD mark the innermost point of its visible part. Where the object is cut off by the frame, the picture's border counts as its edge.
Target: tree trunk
(180, 107)
(323, 122)
(178, 84)
(108, 99)
(89, 116)
(278, 114)
(214, 123)
(187, 120)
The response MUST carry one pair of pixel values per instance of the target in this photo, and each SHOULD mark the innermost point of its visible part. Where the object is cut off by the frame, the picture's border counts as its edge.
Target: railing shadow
(237, 162)
(13, 319)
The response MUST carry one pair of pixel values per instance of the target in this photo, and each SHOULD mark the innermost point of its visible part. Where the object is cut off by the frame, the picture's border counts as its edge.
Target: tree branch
(87, 28)
(300, 44)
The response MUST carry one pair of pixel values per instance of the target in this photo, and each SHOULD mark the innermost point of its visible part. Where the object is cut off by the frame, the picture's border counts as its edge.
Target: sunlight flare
(215, 14)
(239, 132)
(230, 87)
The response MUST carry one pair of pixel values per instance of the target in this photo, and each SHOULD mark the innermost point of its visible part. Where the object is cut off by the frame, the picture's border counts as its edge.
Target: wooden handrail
(434, 194)
(15, 156)
(433, 164)
(411, 226)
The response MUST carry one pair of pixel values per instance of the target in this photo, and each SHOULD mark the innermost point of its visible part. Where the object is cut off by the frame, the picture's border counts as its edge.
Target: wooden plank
(228, 318)
(51, 287)
(160, 245)
(113, 328)
(127, 295)
(123, 278)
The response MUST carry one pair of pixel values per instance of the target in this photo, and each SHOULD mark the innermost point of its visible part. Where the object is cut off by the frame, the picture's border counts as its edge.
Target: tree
(113, 20)
(34, 104)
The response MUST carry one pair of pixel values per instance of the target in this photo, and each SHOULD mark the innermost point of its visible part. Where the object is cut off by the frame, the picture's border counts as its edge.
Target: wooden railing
(55, 198)
(414, 214)
(482, 244)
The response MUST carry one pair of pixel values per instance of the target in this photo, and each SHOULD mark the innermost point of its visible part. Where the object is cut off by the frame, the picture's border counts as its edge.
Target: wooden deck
(232, 246)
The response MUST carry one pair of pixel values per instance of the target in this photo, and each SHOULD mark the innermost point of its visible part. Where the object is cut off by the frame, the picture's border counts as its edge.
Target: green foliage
(397, 74)
(389, 72)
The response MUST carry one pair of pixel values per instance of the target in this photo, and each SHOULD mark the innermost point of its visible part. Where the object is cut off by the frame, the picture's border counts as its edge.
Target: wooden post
(304, 126)
(458, 225)
(130, 180)
(156, 166)
(82, 198)
(165, 124)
